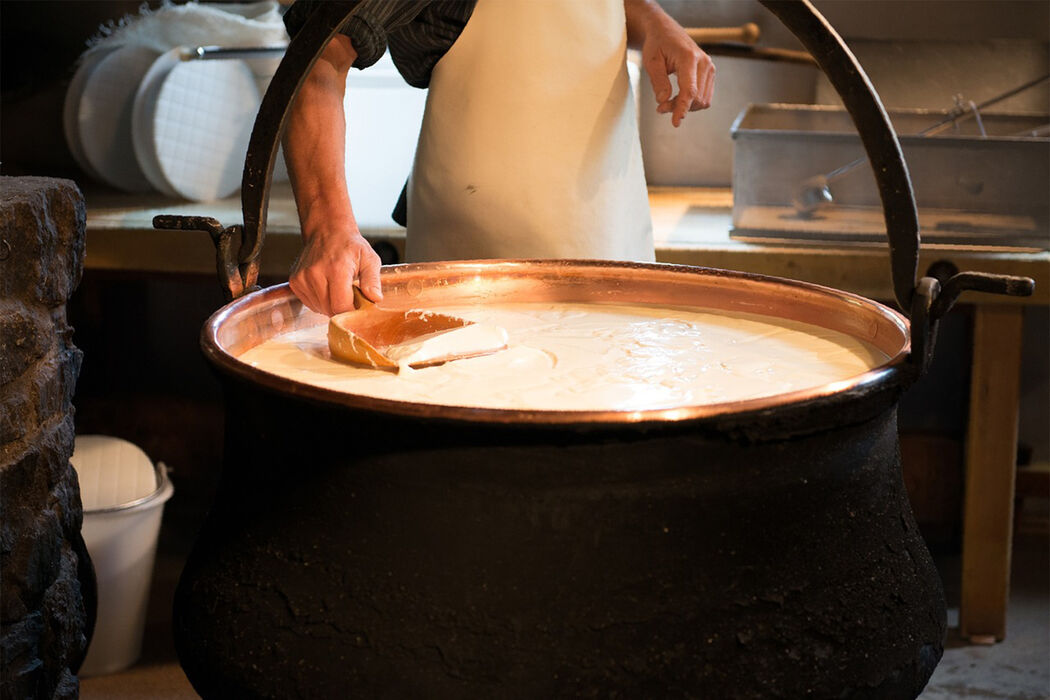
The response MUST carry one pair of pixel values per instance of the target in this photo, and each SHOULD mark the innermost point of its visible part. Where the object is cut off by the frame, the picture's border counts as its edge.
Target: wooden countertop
(690, 225)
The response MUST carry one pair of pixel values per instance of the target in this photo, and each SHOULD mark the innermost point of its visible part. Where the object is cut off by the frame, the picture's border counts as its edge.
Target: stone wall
(46, 589)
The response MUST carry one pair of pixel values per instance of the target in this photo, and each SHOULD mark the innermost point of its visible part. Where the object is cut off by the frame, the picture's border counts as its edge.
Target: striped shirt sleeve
(370, 26)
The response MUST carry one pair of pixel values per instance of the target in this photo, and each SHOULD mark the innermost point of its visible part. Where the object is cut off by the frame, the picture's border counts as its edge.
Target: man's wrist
(641, 15)
(329, 227)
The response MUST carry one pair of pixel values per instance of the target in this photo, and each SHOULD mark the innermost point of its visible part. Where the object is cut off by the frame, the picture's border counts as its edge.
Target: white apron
(529, 144)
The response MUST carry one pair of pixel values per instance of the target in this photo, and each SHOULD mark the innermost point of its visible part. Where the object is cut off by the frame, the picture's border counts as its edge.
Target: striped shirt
(417, 32)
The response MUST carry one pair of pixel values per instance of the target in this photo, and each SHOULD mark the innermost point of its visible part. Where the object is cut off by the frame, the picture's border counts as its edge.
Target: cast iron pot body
(371, 548)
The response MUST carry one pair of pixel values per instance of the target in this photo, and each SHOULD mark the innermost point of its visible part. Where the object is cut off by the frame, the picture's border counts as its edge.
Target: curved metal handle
(799, 16)
(875, 130)
(927, 300)
(826, 47)
(239, 274)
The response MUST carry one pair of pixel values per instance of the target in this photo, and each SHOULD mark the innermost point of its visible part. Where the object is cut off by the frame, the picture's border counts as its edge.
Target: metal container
(970, 188)
(395, 549)
(700, 150)
(406, 549)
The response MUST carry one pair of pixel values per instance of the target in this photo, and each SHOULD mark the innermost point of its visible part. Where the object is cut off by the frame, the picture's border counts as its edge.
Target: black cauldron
(761, 549)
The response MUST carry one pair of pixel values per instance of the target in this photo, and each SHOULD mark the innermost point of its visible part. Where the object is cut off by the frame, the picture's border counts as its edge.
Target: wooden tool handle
(745, 34)
(360, 300)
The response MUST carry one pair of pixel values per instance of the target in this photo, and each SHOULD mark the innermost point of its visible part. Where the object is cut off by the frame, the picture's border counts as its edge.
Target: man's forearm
(334, 255)
(314, 141)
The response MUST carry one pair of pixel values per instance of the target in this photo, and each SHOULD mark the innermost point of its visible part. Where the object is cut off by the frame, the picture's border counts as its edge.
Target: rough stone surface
(43, 224)
(15, 413)
(23, 340)
(43, 615)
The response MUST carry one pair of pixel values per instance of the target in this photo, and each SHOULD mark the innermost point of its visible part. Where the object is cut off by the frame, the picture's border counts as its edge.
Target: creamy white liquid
(590, 357)
(472, 339)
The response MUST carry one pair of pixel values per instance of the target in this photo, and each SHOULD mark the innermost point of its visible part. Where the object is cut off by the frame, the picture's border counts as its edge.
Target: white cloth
(529, 144)
(193, 24)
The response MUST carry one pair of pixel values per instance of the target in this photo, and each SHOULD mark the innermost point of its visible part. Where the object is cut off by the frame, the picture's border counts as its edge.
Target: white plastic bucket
(123, 494)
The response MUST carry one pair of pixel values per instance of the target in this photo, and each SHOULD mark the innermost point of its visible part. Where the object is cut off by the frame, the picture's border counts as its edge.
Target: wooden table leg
(991, 461)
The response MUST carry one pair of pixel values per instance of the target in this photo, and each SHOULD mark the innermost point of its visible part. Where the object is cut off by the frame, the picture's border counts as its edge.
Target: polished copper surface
(259, 316)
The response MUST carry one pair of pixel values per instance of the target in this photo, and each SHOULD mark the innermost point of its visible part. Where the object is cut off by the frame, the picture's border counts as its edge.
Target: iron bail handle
(302, 52)
(799, 16)
(931, 297)
(876, 134)
(960, 282)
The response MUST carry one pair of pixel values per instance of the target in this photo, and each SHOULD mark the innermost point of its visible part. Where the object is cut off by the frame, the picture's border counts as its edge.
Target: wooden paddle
(364, 335)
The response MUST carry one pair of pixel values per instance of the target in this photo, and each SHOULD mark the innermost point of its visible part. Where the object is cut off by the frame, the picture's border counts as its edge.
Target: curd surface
(593, 357)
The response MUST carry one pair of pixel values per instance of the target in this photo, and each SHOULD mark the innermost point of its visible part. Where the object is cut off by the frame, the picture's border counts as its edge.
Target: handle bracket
(236, 278)
(937, 293)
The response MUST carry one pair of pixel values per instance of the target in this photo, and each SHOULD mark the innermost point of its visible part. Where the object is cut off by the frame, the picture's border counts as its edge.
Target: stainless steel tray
(970, 188)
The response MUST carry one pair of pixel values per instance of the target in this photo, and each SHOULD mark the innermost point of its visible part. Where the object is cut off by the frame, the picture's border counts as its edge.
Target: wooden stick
(745, 34)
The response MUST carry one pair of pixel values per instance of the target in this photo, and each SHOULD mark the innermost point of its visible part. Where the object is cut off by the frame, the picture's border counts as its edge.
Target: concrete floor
(1015, 669)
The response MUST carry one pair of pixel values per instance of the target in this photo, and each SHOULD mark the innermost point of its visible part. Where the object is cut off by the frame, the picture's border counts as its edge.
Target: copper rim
(254, 318)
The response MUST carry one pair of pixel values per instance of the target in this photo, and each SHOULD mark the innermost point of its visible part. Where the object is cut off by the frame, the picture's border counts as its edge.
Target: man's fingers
(656, 67)
(319, 288)
(706, 78)
(707, 90)
(369, 278)
(302, 290)
(340, 295)
(687, 92)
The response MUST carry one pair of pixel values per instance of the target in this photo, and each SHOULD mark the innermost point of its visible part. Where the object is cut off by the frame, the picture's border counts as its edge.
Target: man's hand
(334, 252)
(323, 276)
(667, 49)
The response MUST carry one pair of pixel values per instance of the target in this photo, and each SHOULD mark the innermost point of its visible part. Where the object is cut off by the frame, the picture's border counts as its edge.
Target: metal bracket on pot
(938, 291)
(237, 278)
(923, 323)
